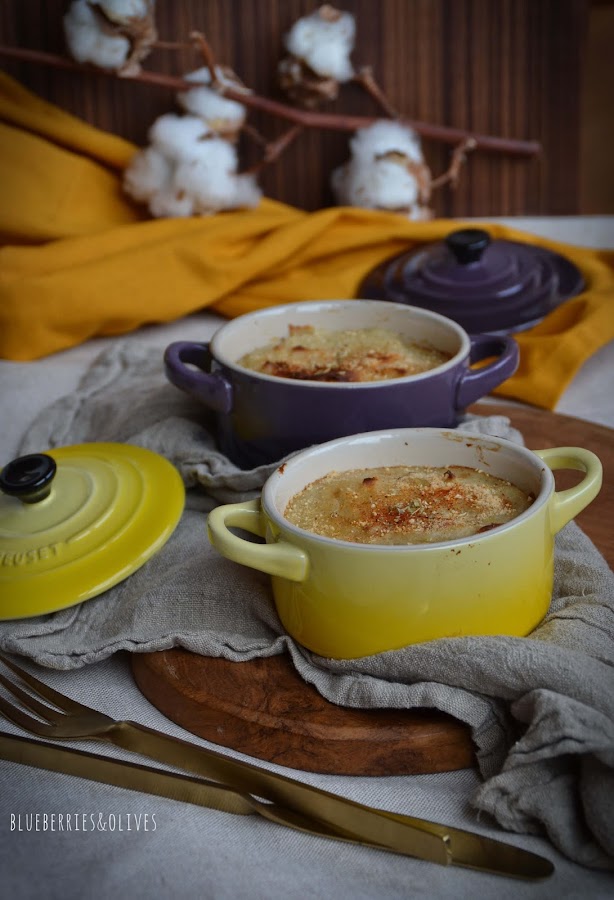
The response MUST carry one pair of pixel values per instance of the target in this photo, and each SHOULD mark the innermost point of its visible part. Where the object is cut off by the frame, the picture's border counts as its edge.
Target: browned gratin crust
(365, 354)
(406, 504)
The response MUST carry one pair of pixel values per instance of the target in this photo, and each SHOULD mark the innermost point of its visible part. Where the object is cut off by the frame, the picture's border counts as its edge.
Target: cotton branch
(202, 44)
(274, 149)
(304, 118)
(459, 155)
(364, 77)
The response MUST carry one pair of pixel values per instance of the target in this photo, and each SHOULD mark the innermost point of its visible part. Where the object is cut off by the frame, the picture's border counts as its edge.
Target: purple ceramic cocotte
(261, 418)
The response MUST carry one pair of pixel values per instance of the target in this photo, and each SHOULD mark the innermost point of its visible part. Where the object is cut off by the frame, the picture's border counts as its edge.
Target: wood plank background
(511, 68)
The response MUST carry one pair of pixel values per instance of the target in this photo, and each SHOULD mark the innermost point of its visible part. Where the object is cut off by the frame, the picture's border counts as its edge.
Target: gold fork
(301, 805)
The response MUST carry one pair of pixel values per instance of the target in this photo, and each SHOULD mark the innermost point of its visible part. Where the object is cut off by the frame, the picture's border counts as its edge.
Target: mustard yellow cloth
(79, 260)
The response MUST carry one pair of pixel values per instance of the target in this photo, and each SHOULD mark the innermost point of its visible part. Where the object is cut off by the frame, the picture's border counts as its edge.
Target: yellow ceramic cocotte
(345, 600)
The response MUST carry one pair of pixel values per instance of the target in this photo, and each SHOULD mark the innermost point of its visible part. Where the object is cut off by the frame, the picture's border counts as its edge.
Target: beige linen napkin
(541, 708)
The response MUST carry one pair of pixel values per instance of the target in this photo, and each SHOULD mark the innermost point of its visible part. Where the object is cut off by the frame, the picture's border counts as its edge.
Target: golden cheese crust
(366, 354)
(406, 504)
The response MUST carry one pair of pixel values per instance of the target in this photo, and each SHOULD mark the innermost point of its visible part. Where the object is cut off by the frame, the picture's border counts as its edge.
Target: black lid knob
(28, 477)
(468, 244)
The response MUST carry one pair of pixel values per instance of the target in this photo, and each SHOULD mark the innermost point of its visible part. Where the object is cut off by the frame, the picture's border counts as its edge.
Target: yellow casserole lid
(75, 521)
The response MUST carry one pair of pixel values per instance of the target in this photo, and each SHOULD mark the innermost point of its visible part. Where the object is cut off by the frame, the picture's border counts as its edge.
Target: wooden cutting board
(264, 708)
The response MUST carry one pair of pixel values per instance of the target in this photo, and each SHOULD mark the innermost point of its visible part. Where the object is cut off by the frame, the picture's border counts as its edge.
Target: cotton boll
(384, 185)
(88, 44)
(218, 154)
(170, 203)
(179, 138)
(147, 173)
(324, 41)
(384, 137)
(302, 86)
(319, 48)
(111, 34)
(386, 171)
(210, 178)
(188, 171)
(220, 114)
(325, 60)
(212, 182)
(122, 11)
(212, 191)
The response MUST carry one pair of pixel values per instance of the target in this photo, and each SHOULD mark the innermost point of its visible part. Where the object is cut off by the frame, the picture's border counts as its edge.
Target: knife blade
(462, 848)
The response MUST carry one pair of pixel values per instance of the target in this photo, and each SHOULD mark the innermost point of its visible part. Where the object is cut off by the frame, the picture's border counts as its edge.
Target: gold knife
(457, 847)
(393, 831)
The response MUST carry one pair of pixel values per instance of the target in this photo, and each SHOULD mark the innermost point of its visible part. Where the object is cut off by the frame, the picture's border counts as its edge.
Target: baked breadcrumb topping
(366, 354)
(406, 504)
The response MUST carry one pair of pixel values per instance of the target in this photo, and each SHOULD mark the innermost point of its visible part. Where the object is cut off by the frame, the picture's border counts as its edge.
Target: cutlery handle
(136, 777)
(133, 776)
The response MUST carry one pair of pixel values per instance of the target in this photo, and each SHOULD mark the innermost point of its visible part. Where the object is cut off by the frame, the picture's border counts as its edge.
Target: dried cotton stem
(304, 118)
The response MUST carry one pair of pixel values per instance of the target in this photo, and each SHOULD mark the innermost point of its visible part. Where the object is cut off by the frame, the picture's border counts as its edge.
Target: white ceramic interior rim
(409, 446)
(253, 330)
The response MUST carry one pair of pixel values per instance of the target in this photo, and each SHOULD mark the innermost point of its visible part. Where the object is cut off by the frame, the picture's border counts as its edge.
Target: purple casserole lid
(485, 285)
